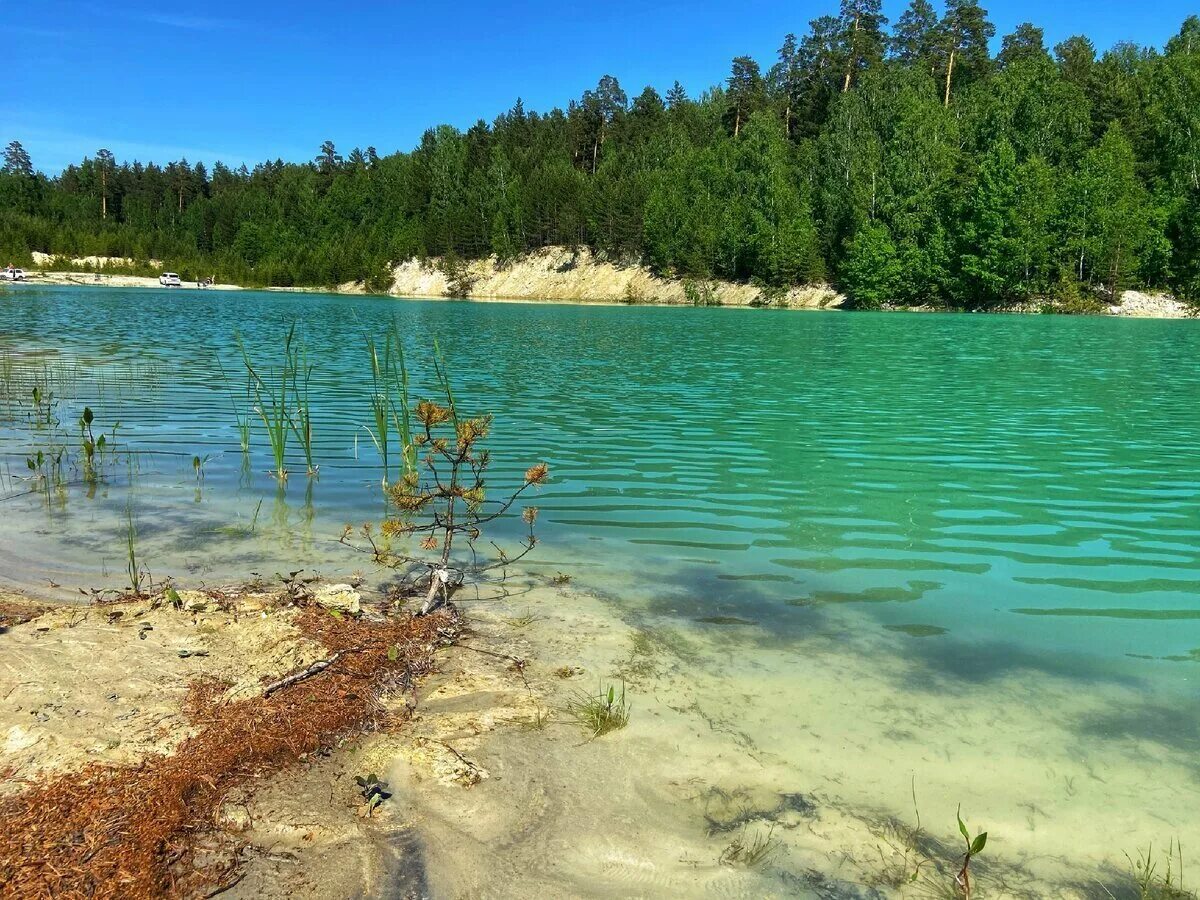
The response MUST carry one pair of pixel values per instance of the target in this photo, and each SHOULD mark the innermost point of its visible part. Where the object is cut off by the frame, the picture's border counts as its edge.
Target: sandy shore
(498, 793)
(560, 275)
(101, 279)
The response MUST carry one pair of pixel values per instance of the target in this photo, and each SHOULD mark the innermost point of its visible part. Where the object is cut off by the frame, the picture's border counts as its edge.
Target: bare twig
(315, 669)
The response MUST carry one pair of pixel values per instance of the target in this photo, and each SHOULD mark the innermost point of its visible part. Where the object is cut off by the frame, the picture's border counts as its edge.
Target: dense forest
(902, 162)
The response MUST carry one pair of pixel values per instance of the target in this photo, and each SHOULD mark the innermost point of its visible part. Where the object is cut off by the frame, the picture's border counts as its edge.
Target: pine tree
(1076, 58)
(915, 38)
(328, 159)
(821, 63)
(744, 92)
(965, 32)
(17, 161)
(105, 165)
(863, 42)
(600, 109)
(1025, 43)
(787, 80)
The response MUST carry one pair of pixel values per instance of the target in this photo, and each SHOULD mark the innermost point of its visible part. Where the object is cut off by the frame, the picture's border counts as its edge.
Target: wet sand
(812, 746)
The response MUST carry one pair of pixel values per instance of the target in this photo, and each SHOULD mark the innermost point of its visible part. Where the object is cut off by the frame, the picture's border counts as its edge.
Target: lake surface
(979, 511)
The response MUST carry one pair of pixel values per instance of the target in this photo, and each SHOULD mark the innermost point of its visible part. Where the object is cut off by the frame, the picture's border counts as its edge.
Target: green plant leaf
(961, 827)
(87, 415)
(393, 653)
(979, 842)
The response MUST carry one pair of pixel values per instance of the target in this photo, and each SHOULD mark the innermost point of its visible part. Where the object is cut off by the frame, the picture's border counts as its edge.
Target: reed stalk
(131, 562)
(271, 400)
(390, 401)
(301, 421)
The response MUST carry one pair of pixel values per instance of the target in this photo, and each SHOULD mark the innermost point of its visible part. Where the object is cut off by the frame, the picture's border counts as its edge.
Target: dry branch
(296, 677)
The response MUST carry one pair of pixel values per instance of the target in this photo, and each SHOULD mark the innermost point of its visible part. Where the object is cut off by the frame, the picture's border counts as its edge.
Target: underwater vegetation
(600, 713)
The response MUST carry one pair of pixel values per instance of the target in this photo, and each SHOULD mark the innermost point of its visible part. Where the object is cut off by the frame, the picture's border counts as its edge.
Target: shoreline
(559, 276)
(487, 769)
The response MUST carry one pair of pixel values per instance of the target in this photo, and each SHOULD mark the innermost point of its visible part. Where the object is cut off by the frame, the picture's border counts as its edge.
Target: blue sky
(249, 81)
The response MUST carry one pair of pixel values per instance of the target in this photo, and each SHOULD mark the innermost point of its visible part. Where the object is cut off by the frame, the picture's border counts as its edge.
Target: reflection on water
(969, 500)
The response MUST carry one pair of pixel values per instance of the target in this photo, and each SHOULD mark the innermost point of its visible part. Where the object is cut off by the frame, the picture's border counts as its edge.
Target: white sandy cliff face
(42, 260)
(1150, 306)
(558, 273)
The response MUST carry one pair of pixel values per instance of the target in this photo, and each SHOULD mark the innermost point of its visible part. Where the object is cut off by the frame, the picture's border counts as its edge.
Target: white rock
(19, 739)
(339, 596)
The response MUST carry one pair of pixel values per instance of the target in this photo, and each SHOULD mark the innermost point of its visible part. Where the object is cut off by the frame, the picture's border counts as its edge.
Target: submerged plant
(519, 622)
(975, 846)
(600, 713)
(301, 419)
(241, 415)
(540, 720)
(273, 392)
(89, 444)
(1152, 883)
(198, 464)
(907, 845)
(750, 851)
(136, 572)
(374, 791)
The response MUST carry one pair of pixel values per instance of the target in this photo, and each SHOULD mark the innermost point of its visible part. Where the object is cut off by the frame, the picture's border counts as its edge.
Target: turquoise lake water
(992, 494)
(1033, 480)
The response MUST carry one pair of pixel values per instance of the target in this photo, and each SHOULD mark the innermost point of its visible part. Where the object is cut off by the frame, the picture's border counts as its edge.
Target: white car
(169, 279)
(12, 274)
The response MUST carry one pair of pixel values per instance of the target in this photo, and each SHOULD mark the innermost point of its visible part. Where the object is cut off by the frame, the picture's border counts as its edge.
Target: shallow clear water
(984, 495)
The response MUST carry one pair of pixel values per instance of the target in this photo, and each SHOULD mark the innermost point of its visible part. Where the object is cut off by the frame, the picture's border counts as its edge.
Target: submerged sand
(812, 748)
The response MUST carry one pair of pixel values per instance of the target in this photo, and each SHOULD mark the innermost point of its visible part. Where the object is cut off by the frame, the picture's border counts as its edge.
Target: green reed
(271, 398)
(241, 414)
(7, 374)
(137, 574)
(390, 401)
(301, 420)
(380, 401)
(1152, 883)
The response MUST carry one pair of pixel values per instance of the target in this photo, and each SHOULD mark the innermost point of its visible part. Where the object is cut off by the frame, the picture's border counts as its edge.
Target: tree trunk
(853, 57)
(949, 72)
(737, 121)
(442, 585)
(103, 195)
(1114, 275)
